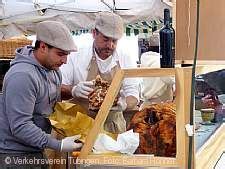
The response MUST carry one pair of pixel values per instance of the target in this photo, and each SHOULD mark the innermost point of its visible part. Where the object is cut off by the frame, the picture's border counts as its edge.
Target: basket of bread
(9, 46)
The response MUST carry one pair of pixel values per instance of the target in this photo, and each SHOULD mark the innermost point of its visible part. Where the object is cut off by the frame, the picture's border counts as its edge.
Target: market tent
(20, 16)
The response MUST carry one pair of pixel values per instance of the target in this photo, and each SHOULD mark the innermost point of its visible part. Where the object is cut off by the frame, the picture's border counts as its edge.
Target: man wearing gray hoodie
(31, 88)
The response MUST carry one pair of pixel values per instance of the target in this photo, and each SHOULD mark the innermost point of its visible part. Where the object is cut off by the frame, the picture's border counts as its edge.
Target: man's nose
(110, 44)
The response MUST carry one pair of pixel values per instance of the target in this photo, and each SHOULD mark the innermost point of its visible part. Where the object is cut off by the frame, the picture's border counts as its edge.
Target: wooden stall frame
(211, 41)
(208, 155)
(182, 76)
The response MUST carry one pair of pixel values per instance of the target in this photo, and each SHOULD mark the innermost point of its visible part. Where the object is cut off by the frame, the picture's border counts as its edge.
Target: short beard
(99, 52)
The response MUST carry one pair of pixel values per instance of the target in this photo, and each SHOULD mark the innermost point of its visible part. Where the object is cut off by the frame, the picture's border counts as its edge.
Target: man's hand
(210, 102)
(82, 89)
(68, 144)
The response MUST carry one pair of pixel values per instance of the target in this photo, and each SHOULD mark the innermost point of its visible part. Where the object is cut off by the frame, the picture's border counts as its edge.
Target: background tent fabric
(20, 16)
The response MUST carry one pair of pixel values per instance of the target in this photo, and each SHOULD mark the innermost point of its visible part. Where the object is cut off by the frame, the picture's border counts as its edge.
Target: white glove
(82, 89)
(68, 144)
(122, 103)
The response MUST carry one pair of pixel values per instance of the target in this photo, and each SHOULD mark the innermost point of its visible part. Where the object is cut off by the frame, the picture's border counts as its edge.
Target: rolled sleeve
(130, 87)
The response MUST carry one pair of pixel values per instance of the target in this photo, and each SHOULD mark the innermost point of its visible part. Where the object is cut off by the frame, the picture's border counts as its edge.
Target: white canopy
(19, 16)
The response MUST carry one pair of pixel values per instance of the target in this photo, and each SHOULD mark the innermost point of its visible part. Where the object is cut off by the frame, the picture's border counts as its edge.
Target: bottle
(167, 43)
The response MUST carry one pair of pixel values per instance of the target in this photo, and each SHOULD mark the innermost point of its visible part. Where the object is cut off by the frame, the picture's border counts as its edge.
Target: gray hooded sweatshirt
(30, 92)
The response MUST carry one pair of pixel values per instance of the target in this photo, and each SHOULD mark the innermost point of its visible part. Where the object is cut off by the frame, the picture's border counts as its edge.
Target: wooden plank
(102, 114)
(187, 99)
(211, 36)
(183, 86)
(174, 14)
(184, 38)
(149, 72)
(210, 152)
(202, 62)
(179, 114)
(208, 68)
(133, 160)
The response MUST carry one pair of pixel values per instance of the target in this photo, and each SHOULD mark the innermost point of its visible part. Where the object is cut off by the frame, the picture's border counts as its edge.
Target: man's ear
(94, 33)
(43, 46)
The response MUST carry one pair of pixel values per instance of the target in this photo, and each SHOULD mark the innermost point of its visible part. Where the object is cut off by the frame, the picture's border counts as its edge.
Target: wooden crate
(183, 76)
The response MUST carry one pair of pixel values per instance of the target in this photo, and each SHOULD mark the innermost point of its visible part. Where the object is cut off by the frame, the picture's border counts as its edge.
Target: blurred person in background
(155, 89)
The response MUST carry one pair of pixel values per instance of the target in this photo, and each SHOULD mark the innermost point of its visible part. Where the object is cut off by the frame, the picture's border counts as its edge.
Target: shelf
(6, 59)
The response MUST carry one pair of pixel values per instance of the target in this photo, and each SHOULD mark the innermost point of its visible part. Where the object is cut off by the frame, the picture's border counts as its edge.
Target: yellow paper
(70, 119)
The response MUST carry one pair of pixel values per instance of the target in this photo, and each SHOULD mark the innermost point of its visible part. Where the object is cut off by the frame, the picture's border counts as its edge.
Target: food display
(156, 125)
(97, 96)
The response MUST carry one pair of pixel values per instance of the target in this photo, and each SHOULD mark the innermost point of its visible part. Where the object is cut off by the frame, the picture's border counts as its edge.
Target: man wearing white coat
(102, 57)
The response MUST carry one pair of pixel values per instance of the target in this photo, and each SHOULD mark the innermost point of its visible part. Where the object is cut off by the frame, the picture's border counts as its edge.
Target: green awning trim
(128, 31)
(80, 31)
(143, 27)
(136, 31)
(145, 30)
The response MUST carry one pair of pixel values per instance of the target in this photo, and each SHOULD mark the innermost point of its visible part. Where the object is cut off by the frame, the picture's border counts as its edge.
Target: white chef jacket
(76, 69)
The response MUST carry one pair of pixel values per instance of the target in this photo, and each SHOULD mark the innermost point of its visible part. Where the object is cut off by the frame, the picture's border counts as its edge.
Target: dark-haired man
(31, 88)
(102, 57)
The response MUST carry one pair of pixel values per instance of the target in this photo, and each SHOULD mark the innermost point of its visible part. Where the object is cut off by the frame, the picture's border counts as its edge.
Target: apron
(115, 122)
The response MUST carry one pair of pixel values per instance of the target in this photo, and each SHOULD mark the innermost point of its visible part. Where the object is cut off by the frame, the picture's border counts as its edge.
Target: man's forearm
(66, 92)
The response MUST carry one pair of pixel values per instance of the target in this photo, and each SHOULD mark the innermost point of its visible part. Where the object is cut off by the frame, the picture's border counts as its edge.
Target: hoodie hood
(26, 55)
